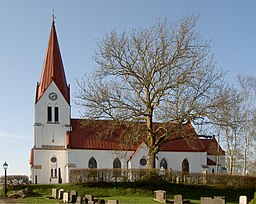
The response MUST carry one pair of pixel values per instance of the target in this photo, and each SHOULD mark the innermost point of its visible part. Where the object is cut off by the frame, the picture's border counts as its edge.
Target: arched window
(163, 163)
(92, 163)
(185, 166)
(116, 164)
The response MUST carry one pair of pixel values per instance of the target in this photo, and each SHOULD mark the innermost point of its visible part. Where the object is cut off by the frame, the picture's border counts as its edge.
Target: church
(62, 143)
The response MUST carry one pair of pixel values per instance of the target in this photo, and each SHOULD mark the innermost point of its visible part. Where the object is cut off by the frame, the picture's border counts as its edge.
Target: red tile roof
(53, 69)
(211, 146)
(211, 162)
(183, 145)
(85, 136)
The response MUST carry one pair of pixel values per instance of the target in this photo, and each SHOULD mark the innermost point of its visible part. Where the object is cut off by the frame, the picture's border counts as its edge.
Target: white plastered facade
(52, 161)
(173, 159)
(50, 138)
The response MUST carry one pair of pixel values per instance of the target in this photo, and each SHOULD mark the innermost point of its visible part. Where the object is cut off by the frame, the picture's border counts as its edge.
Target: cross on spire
(53, 17)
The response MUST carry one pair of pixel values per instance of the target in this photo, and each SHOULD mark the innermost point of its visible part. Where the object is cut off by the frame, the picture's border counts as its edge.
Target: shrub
(14, 180)
(253, 201)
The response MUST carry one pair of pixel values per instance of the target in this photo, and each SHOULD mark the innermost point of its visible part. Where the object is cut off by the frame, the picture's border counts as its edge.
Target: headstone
(88, 197)
(112, 202)
(242, 200)
(177, 179)
(219, 200)
(101, 201)
(91, 202)
(79, 200)
(54, 193)
(178, 199)
(206, 200)
(60, 195)
(73, 195)
(160, 196)
(65, 197)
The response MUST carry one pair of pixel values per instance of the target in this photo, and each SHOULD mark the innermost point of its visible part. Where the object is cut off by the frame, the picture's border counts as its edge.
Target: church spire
(53, 69)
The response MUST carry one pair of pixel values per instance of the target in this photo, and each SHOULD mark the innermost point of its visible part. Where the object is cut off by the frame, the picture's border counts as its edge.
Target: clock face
(53, 96)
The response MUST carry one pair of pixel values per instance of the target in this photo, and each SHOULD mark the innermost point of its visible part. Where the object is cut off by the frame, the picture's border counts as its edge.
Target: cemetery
(172, 187)
(159, 196)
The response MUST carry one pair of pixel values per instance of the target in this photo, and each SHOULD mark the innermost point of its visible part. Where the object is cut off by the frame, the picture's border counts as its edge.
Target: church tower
(52, 118)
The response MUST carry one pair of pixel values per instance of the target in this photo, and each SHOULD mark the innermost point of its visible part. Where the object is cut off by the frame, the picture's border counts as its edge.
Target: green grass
(135, 193)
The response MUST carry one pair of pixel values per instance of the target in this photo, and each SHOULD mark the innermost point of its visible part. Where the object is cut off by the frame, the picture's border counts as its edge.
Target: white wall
(50, 134)
(175, 159)
(135, 160)
(47, 133)
(42, 158)
(104, 158)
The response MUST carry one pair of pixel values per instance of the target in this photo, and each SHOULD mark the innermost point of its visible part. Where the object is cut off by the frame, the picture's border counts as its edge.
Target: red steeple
(53, 69)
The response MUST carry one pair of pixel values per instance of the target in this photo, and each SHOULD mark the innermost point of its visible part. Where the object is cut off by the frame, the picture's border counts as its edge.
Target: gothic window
(92, 163)
(185, 166)
(117, 168)
(163, 163)
(56, 114)
(49, 113)
(117, 164)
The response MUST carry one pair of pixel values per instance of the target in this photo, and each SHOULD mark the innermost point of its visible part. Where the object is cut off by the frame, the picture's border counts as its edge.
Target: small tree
(162, 74)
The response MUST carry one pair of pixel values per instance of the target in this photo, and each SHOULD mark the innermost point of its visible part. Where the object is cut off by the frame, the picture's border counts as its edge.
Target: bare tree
(231, 124)
(161, 77)
(248, 87)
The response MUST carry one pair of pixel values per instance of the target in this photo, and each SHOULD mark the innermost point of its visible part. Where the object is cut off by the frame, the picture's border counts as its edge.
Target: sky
(24, 33)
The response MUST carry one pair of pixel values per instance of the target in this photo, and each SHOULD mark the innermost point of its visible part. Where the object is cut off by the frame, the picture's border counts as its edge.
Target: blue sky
(24, 32)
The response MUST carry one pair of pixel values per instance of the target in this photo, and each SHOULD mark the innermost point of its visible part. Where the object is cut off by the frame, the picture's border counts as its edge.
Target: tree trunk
(245, 153)
(218, 152)
(151, 158)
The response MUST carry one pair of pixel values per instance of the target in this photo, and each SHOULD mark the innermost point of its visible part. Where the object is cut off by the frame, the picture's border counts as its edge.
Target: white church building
(62, 143)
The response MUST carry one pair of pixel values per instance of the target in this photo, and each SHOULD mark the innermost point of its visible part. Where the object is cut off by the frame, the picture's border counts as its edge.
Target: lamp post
(5, 165)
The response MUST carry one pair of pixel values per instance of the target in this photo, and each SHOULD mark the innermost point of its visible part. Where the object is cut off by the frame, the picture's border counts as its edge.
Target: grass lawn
(133, 193)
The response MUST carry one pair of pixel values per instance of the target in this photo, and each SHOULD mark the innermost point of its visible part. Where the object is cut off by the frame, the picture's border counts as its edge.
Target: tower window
(49, 114)
(56, 114)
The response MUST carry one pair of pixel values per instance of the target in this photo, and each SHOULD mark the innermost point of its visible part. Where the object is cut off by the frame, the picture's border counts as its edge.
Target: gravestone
(160, 196)
(54, 193)
(242, 200)
(101, 201)
(178, 199)
(65, 197)
(79, 200)
(219, 200)
(60, 195)
(73, 195)
(88, 198)
(177, 179)
(91, 202)
(206, 200)
(112, 202)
